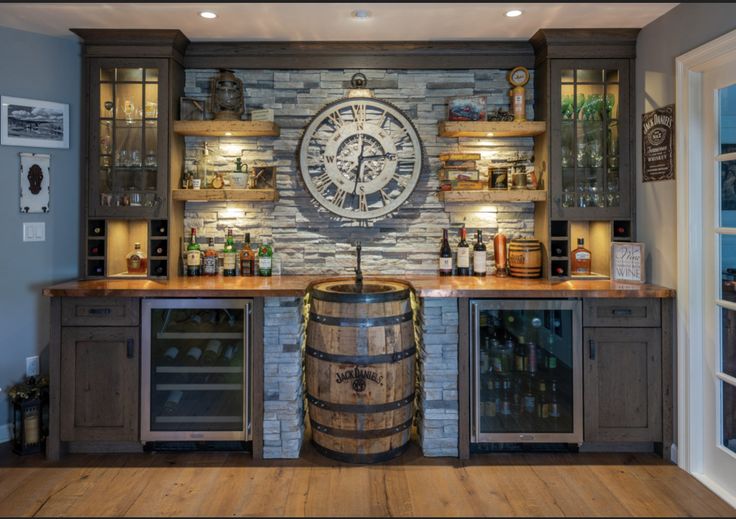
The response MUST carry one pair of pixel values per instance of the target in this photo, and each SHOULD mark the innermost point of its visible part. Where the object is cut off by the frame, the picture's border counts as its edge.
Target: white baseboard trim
(5, 433)
(717, 489)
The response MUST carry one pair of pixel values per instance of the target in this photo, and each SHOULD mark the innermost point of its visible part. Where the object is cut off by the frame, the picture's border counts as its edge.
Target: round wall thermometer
(360, 158)
(519, 76)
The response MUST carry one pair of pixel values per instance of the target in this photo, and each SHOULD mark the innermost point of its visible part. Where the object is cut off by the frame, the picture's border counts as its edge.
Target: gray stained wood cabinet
(622, 371)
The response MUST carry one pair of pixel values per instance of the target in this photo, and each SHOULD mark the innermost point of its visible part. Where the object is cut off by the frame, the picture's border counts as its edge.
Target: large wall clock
(360, 158)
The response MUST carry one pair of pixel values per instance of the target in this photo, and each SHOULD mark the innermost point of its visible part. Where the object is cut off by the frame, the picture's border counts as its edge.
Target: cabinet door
(127, 118)
(99, 383)
(622, 384)
(590, 170)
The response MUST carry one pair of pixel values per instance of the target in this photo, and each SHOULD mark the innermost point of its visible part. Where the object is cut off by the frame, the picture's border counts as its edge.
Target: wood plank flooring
(233, 484)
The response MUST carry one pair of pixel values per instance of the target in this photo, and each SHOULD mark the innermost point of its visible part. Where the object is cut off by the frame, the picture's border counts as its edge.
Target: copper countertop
(425, 286)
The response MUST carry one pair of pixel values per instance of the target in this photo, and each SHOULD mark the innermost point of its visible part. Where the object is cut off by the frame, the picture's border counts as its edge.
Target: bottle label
(463, 257)
(479, 261)
(228, 261)
(194, 258)
(210, 265)
(264, 263)
(582, 256)
(134, 262)
(445, 264)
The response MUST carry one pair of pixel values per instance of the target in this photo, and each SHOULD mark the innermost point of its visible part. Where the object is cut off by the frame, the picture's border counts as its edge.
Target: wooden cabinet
(99, 383)
(624, 370)
(622, 382)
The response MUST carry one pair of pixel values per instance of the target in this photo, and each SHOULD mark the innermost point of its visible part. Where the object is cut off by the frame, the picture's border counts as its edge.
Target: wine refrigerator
(195, 370)
(526, 376)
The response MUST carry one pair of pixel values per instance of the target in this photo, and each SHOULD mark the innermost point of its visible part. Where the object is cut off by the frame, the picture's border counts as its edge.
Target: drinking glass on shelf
(122, 159)
(108, 108)
(568, 197)
(597, 199)
(128, 108)
(135, 158)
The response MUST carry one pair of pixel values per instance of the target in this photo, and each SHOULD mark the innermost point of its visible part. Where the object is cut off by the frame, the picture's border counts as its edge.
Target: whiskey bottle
(136, 260)
(480, 256)
(463, 254)
(229, 255)
(247, 258)
(210, 259)
(445, 256)
(194, 256)
(265, 253)
(580, 261)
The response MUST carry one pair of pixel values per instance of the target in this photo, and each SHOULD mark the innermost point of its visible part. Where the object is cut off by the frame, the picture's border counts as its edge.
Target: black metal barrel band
(360, 435)
(346, 297)
(360, 408)
(361, 322)
(361, 360)
(361, 458)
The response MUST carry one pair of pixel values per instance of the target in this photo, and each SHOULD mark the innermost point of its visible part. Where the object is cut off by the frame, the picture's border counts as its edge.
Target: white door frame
(691, 307)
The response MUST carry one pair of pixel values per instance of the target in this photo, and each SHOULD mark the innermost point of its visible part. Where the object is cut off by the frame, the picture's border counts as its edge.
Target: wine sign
(658, 144)
(627, 262)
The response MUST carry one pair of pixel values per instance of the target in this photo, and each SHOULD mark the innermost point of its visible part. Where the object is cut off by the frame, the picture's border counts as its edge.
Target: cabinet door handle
(100, 311)
(621, 311)
(591, 354)
(131, 348)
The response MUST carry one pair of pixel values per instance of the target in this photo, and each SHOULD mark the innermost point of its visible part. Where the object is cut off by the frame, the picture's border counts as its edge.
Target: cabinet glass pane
(151, 104)
(525, 371)
(728, 194)
(589, 76)
(107, 74)
(728, 342)
(129, 74)
(611, 76)
(151, 145)
(151, 75)
(728, 267)
(567, 75)
(129, 98)
(728, 416)
(106, 131)
(197, 369)
(107, 106)
(727, 122)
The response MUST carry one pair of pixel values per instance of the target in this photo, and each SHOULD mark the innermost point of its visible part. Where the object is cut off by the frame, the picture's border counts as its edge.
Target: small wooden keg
(360, 358)
(525, 258)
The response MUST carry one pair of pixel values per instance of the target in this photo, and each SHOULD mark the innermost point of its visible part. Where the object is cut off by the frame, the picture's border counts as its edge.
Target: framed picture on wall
(33, 123)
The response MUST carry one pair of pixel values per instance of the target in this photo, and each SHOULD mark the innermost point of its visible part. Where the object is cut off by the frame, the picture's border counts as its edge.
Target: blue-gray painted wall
(36, 67)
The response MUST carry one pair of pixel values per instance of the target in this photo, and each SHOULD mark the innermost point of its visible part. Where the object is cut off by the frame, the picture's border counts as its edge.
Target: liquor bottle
(479, 256)
(209, 265)
(529, 400)
(136, 260)
(247, 258)
(580, 261)
(554, 406)
(542, 400)
(172, 402)
(463, 254)
(229, 255)
(172, 354)
(265, 253)
(211, 352)
(193, 356)
(194, 256)
(445, 256)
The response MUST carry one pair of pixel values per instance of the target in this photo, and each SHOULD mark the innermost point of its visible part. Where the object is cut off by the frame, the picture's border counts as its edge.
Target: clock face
(519, 76)
(360, 158)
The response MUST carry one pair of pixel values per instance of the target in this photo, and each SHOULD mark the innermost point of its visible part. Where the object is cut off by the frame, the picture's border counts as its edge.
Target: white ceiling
(280, 21)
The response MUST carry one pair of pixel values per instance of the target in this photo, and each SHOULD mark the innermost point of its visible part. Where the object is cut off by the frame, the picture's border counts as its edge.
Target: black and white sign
(658, 144)
(34, 123)
(35, 180)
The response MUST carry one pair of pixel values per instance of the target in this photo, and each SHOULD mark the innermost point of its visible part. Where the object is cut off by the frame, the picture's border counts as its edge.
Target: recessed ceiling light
(208, 14)
(513, 13)
(361, 14)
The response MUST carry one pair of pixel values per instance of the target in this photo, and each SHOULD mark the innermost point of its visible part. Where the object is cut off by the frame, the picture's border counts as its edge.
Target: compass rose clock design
(360, 158)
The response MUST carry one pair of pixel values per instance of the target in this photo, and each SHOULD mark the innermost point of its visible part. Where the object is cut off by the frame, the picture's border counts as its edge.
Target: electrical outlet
(32, 366)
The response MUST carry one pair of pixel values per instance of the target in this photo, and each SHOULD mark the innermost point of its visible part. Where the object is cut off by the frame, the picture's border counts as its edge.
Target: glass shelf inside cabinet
(197, 368)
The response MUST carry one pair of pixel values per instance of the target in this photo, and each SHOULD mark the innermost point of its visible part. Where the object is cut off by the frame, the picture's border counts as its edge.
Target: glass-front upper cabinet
(128, 152)
(590, 171)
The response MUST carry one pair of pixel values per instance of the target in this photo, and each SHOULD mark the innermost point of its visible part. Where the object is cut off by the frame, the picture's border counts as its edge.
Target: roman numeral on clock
(339, 197)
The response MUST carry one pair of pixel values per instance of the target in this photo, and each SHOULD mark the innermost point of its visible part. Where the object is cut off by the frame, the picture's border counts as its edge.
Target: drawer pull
(621, 311)
(100, 311)
(131, 348)
(591, 354)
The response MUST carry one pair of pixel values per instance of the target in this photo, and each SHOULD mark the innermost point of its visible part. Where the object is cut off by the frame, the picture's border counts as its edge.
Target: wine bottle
(445, 256)
(229, 255)
(480, 256)
(228, 356)
(194, 256)
(211, 352)
(463, 254)
(172, 354)
(193, 356)
(172, 402)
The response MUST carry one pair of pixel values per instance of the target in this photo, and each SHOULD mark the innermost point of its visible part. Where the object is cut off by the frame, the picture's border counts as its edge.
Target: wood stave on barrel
(360, 369)
(525, 258)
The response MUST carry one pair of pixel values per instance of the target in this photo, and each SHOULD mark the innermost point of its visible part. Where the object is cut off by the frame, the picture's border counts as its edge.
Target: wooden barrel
(525, 258)
(360, 357)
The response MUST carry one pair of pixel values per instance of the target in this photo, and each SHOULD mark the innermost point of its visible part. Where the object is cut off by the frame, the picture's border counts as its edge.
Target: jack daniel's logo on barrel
(358, 377)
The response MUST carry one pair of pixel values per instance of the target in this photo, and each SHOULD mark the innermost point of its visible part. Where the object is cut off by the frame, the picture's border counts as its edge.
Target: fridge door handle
(592, 352)
(131, 348)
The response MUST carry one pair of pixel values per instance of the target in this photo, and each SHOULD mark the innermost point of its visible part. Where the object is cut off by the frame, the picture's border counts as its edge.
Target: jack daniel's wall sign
(358, 378)
(658, 144)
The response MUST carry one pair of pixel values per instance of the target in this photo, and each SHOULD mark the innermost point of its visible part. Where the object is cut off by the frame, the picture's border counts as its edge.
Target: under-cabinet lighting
(361, 14)
(228, 134)
(513, 13)
(489, 134)
(208, 14)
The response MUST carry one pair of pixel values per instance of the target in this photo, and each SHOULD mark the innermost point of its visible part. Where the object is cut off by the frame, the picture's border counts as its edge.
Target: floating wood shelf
(482, 196)
(231, 195)
(491, 128)
(227, 128)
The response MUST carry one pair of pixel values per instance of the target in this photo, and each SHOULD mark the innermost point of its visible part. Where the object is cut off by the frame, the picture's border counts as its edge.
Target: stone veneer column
(283, 393)
(438, 377)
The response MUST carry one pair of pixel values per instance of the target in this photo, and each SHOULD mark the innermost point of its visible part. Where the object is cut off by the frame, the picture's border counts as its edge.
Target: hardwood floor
(232, 484)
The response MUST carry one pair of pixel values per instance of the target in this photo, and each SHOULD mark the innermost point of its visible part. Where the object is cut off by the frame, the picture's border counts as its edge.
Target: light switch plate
(34, 231)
